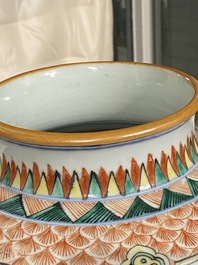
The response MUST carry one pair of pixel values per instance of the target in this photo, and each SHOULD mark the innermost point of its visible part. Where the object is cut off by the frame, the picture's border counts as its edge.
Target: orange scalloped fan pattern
(174, 234)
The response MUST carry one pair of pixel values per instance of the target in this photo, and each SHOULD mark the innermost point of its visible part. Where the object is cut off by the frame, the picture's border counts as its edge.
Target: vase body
(120, 202)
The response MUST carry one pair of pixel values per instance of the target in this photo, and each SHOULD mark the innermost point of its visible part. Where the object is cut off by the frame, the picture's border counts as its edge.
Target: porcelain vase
(99, 166)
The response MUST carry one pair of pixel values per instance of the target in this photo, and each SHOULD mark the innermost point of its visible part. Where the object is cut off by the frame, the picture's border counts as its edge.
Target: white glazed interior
(92, 92)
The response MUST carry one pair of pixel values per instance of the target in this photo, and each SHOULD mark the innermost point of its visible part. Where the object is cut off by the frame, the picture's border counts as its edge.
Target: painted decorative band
(100, 212)
(101, 184)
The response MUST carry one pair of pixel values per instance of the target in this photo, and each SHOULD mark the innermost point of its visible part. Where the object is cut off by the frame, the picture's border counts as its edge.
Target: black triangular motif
(13, 205)
(94, 186)
(99, 213)
(139, 208)
(193, 186)
(171, 199)
(128, 187)
(53, 213)
(6, 177)
(160, 179)
(193, 153)
(74, 178)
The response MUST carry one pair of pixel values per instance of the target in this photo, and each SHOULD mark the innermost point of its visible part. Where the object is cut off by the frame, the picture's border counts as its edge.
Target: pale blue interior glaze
(92, 92)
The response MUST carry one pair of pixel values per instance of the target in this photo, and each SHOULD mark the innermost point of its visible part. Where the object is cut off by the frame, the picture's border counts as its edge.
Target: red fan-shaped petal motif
(82, 259)
(43, 257)
(101, 249)
(63, 251)
(7, 252)
(127, 226)
(79, 241)
(165, 235)
(93, 232)
(187, 240)
(135, 239)
(155, 220)
(178, 253)
(34, 228)
(46, 238)
(195, 203)
(160, 247)
(2, 236)
(16, 232)
(182, 212)
(143, 229)
(114, 235)
(191, 226)
(194, 214)
(174, 224)
(64, 230)
(27, 246)
(20, 261)
(118, 256)
(6, 221)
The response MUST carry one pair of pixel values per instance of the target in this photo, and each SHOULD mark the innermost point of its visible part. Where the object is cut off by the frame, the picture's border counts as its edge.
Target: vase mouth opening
(95, 103)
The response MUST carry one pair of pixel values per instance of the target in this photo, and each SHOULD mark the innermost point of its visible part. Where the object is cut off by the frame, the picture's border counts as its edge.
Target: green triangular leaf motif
(193, 154)
(139, 208)
(54, 213)
(29, 183)
(193, 186)
(98, 214)
(159, 176)
(171, 199)
(6, 179)
(13, 205)
(181, 167)
(94, 188)
(129, 188)
(57, 191)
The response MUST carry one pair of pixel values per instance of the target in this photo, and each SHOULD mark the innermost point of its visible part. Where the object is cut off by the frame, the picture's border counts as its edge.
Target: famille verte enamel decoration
(99, 166)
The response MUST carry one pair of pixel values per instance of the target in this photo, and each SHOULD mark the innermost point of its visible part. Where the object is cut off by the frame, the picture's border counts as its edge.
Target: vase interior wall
(124, 95)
